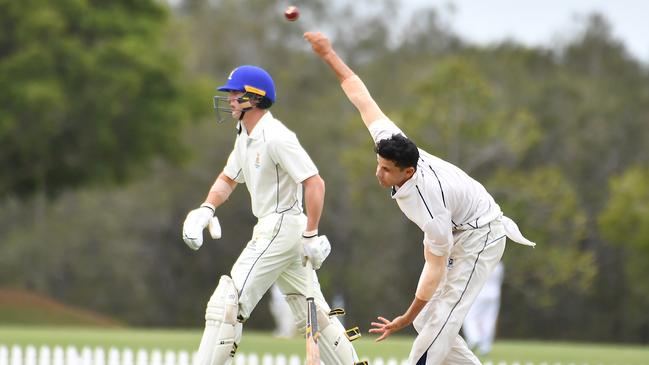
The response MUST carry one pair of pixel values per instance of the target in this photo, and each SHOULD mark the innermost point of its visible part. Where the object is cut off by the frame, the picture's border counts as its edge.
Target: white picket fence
(70, 355)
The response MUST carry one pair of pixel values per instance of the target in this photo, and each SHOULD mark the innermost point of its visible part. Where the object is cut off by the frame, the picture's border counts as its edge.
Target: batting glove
(196, 222)
(314, 249)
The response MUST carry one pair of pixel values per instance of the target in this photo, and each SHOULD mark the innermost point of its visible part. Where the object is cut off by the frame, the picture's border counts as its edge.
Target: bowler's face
(389, 174)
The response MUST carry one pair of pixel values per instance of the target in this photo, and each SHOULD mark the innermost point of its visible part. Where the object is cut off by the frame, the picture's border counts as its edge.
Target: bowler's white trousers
(474, 255)
(273, 255)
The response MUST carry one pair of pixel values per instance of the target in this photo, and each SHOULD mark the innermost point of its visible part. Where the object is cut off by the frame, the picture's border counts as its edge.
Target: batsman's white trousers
(474, 255)
(273, 255)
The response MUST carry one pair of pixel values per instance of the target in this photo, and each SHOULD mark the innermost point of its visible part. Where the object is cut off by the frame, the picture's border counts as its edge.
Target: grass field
(20, 307)
(260, 343)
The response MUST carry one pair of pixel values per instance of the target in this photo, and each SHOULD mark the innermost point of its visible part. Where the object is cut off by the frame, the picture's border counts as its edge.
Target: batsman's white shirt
(272, 164)
(461, 221)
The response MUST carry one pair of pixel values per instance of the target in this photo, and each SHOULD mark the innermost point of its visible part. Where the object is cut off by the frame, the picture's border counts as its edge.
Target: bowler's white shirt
(272, 164)
(439, 197)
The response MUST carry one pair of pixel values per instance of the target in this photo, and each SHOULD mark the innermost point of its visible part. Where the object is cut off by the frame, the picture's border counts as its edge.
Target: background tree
(90, 93)
(625, 223)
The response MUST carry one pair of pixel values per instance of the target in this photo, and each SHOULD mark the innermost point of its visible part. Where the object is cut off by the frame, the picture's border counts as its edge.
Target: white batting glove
(196, 222)
(314, 249)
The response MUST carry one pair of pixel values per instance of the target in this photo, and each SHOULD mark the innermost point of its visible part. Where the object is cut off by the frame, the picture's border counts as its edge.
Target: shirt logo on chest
(258, 160)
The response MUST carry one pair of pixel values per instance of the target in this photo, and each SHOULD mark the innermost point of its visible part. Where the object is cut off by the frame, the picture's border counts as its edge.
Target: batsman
(285, 244)
(464, 230)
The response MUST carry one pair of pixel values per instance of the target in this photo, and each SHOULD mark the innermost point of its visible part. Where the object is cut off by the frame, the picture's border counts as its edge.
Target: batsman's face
(389, 174)
(235, 100)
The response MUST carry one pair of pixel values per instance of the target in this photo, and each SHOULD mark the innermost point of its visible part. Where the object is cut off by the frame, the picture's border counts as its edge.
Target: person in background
(479, 326)
(281, 311)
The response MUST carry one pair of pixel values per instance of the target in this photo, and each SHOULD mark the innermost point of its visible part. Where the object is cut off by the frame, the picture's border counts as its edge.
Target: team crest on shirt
(258, 160)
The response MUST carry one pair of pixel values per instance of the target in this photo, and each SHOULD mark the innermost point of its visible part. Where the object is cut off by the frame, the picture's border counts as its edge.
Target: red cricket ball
(292, 13)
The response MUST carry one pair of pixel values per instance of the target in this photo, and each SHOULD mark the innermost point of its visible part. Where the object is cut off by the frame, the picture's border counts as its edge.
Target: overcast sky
(543, 22)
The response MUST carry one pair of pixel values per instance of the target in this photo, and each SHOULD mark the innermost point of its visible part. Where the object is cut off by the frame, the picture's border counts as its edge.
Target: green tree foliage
(625, 223)
(119, 250)
(543, 280)
(460, 116)
(90, 93)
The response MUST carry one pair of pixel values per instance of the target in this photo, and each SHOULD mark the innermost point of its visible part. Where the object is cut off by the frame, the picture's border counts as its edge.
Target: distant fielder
(464, 229)
(268, 158)
(282, 314)
(479, 326)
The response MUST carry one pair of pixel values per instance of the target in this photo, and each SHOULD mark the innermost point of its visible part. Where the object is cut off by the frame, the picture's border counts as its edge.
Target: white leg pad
(297, 303)
(335, 348)
(222, 330)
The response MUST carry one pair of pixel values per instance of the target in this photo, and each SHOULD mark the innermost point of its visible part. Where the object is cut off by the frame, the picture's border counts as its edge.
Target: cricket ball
(292, 13)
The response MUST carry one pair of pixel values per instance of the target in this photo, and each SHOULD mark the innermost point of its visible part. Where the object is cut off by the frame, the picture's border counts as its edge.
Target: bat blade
(312, 334)
(312, 350)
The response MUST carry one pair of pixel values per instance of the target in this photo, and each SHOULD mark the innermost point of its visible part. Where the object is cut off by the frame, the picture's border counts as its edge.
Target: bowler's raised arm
(351, 84)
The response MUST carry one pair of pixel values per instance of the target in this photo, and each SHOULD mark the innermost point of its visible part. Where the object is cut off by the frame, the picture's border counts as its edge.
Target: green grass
(260, 343)
(20, 307)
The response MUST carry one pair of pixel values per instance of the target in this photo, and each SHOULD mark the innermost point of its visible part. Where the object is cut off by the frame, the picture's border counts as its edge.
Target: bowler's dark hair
(399, 149)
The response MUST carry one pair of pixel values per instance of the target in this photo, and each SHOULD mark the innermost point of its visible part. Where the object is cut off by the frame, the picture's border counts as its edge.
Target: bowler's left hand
(385, 328)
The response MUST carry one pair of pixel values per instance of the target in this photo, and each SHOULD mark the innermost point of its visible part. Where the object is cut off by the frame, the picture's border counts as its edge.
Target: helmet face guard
(256, 84)
(223, 109)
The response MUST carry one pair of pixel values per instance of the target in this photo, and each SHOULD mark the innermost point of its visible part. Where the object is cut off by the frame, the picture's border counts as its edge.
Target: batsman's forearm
(220, 191)
(314, 192)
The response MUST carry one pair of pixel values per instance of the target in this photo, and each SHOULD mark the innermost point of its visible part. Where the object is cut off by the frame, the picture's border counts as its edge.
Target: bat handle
(309, 279)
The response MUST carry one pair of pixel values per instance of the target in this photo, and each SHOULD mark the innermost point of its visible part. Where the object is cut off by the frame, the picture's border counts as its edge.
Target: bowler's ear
(410, 171)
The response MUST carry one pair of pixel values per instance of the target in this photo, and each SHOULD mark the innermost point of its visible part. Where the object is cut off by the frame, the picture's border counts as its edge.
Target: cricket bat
(312, 351)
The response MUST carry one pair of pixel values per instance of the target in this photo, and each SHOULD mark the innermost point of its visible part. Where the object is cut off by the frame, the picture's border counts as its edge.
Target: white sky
(542, 22)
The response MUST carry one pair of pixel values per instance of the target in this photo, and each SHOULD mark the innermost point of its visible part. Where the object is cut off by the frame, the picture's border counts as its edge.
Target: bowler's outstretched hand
(320, 44)
(386, 327)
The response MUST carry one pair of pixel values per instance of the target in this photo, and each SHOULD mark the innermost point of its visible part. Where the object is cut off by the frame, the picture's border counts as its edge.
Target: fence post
(98, 357)
(16, 357)
(72, 356)
(113, 356)
(183, 358)
(44, 355)
(58, 356)
(156, 357)
(86, 356)
(170, 358)
(30, 355)
(392, 361)
(253, 359)
(239, 359)
(127, 356)
(294, 360)
(142, 357)
(280, 360)
(4, 355)
(267, 359)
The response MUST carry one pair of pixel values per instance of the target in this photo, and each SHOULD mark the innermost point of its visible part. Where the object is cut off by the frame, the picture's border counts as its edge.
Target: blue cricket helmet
(250, 79)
